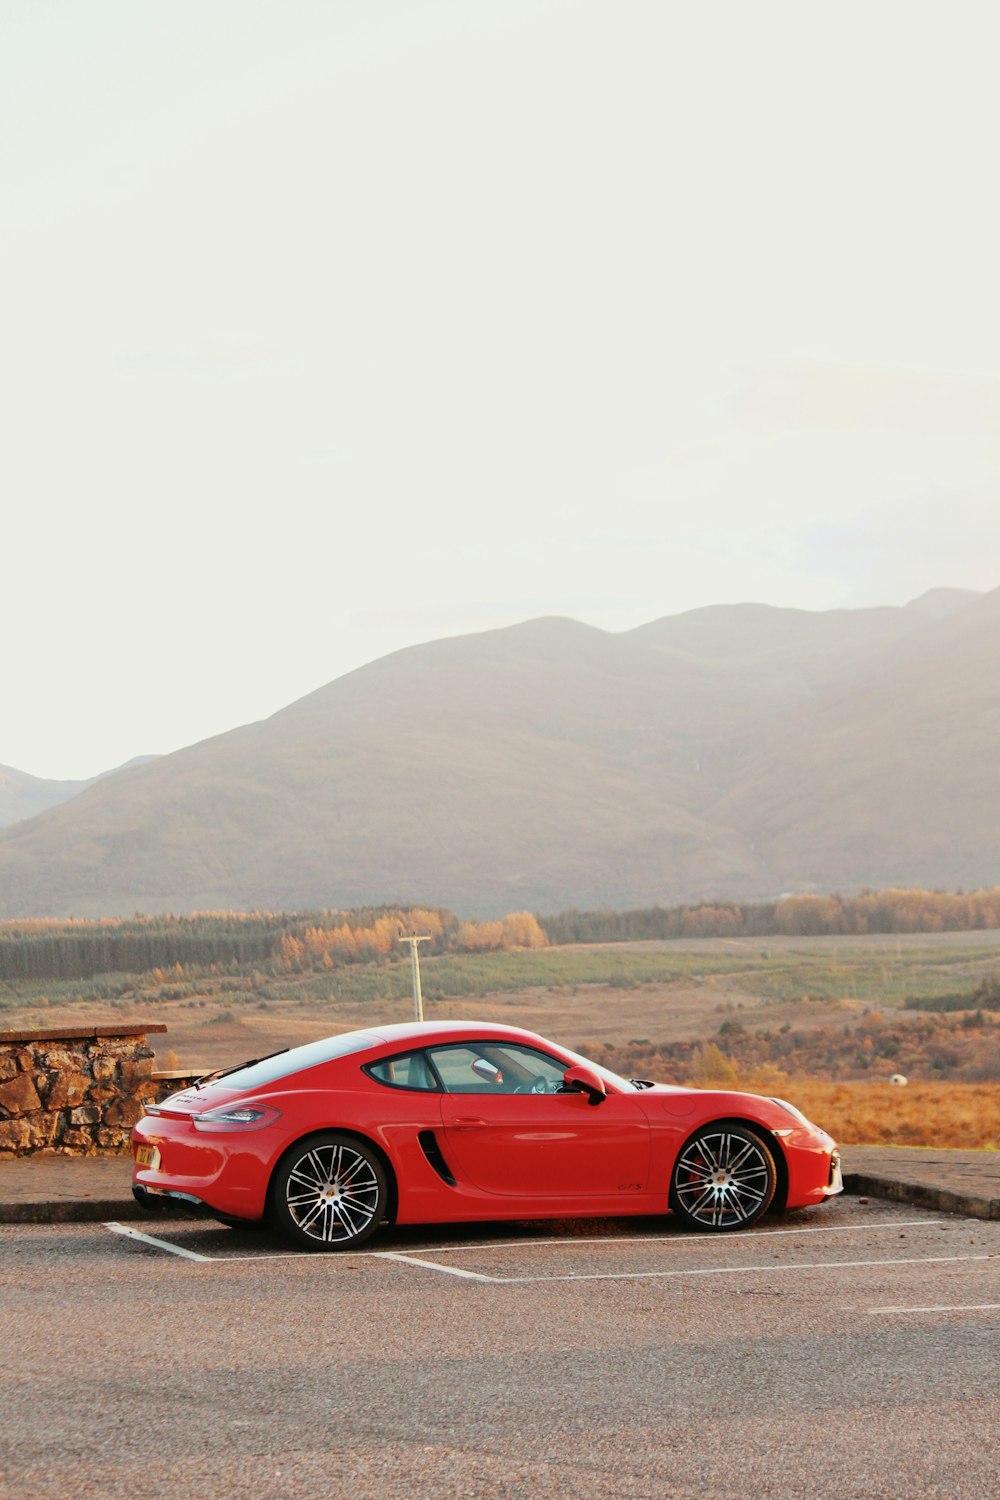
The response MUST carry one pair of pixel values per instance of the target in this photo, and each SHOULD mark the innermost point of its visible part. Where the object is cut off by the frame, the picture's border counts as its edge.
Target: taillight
(236, 1117)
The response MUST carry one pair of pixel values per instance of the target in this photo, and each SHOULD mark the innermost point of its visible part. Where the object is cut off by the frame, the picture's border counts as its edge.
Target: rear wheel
(329, 1193)
(724, 1178)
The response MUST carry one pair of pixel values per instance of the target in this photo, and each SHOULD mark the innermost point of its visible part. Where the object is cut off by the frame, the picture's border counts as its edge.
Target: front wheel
(724, 1178)
(329, 1193)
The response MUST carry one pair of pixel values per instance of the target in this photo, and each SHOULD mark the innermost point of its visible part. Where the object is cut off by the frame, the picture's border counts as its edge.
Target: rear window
(269, 1069)
(410, 1071)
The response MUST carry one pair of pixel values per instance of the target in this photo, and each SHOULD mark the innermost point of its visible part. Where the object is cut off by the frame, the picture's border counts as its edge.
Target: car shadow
(207, 1237)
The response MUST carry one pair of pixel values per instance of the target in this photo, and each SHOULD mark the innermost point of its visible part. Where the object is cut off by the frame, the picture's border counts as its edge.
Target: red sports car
(433, 1123)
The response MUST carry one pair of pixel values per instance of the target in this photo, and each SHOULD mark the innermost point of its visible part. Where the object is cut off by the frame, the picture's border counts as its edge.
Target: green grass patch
(917, 976)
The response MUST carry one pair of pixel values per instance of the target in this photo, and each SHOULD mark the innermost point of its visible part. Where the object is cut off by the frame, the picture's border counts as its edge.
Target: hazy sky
(331, 326)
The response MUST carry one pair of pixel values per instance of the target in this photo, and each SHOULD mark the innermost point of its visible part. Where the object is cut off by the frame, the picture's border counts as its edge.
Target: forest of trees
(304, 942)
(229, 941)
(352, 942)
(795, 916)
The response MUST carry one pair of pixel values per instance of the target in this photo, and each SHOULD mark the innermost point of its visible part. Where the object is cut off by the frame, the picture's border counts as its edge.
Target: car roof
(422, 1033)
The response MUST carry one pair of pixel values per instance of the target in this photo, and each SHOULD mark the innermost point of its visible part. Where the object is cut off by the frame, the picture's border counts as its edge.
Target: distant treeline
(308, 941)
(794, 916)
(231, 941)
(78, 949)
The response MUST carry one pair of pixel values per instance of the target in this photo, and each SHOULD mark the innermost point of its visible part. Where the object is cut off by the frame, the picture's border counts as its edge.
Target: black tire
(329, 1192)
(723, 1179)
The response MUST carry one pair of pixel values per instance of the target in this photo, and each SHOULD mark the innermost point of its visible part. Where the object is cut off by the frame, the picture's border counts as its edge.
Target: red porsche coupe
(434, 1123)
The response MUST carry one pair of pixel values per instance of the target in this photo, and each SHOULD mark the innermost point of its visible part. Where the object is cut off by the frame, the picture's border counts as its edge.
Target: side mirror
(582, 1079)
(486, 1070)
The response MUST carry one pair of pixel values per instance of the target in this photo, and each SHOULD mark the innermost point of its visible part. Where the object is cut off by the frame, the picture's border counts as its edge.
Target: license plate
(147, 1156)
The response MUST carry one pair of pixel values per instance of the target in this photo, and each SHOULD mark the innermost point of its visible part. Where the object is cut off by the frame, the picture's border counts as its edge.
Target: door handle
(464, 1122)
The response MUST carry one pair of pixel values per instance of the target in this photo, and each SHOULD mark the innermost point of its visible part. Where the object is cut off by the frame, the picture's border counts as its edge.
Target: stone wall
(73, 1091)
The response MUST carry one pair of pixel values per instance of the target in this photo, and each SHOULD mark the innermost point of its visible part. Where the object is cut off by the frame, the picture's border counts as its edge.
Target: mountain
(734, 751)
(890, 778)
(22, 796)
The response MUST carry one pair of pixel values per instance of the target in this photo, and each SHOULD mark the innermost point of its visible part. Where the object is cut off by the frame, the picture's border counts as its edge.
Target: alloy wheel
(724, 1178)
(333, 1194)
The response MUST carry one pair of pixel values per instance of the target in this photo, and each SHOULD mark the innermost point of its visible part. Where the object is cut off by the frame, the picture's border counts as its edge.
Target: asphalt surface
(849, 1351)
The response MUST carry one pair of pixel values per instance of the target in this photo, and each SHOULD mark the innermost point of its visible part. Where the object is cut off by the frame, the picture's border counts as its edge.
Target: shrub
(711, 1068)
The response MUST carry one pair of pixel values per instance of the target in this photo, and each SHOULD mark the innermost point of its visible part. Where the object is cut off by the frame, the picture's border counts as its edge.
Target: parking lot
(849, 1351)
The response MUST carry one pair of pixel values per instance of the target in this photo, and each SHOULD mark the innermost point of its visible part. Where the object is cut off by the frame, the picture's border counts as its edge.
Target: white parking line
(819, 1265)
(149, 1239)
(429, 1265)
(944, 1307)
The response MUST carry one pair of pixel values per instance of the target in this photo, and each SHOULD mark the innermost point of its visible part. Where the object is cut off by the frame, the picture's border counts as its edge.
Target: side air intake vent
(432, 1151)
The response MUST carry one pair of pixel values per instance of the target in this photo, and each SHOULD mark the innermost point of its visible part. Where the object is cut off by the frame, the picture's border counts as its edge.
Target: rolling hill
(733, 751)
(22, 796)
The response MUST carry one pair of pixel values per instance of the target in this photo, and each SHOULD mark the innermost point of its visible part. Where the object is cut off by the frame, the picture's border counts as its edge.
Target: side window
(497, 1068)
(456, 1068)
(407, 1072)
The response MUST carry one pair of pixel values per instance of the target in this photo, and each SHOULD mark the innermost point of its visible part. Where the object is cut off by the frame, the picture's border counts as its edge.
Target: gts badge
(630, 1187)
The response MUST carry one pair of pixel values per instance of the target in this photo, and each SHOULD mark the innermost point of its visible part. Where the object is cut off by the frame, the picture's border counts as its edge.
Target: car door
(507, 1129)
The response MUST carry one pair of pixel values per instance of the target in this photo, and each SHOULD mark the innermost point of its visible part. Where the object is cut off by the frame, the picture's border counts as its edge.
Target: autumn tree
(522, 930)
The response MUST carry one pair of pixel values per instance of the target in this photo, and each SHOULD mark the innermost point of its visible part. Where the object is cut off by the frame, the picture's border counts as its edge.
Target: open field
(960, 1116)
(821, 1019)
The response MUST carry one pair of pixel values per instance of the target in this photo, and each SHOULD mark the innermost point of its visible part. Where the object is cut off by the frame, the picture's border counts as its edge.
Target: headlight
(236, 1117)
(795, 1113)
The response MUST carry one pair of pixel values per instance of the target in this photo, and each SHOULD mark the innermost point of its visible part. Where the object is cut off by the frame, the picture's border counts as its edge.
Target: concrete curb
(70, 1211)
(940, 1200)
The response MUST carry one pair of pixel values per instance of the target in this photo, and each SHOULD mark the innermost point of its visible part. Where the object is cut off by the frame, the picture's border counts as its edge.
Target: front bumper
(836, 1182)
(814, 1172)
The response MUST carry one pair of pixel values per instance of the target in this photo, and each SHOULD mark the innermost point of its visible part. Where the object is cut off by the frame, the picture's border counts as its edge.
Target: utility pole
(413, 939)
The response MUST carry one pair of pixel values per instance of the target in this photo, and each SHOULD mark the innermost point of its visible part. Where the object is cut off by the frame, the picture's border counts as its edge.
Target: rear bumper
(164, 1200)
(201, 1173)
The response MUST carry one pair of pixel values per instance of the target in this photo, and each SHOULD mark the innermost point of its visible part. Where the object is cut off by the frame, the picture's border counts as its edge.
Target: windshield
(297, 1058)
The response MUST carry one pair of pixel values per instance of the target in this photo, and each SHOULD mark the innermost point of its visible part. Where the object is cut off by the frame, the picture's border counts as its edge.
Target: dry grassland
(964, 1116)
